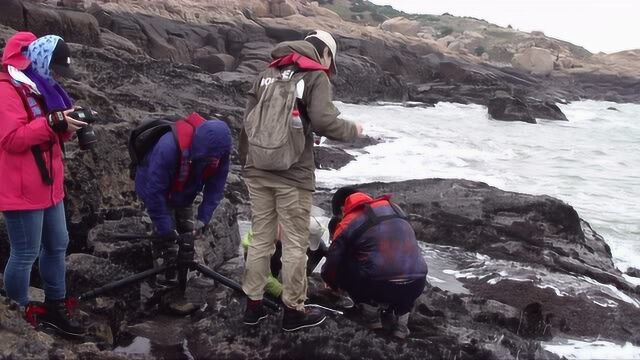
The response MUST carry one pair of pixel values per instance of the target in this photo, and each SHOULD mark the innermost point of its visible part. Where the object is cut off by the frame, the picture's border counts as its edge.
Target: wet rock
(612, 108)
(222, 241)
(12, 14)
(556, 311)
(358, 143)
(508, 108)
(86, 272)
(95, 180)
(633, 272)
(21, 341)
(331, 158)
(236, 189)
(130, 253)
(360, 79)
(161, 330)
(215, 63)
(73, 26)
(546, 110)
(116, 41)
(235, 80)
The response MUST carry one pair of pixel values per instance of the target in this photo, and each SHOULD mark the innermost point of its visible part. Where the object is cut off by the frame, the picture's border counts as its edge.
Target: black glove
(57, 121)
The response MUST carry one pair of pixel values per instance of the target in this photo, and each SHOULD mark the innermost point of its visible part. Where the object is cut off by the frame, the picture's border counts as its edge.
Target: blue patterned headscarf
(40, 53)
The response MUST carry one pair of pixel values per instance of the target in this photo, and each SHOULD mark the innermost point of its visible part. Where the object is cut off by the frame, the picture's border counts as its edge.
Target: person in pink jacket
(33, 126)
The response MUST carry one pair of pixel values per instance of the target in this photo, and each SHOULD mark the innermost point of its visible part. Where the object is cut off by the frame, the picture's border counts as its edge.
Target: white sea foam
(575, 349)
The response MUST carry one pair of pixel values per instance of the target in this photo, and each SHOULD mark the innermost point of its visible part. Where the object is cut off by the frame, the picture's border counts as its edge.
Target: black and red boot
(59, 316)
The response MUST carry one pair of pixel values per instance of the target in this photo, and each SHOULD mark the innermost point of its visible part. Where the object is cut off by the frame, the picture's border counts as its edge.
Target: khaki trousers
(273, 202)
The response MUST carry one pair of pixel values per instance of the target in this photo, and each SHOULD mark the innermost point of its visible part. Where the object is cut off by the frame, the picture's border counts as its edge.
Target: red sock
(254, 303)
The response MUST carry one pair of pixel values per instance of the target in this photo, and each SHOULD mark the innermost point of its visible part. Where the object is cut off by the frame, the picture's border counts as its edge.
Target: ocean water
(592, 161)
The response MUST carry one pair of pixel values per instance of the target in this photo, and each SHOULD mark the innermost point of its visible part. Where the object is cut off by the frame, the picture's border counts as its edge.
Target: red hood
(303, 62)
(12, 54)
(358, 199)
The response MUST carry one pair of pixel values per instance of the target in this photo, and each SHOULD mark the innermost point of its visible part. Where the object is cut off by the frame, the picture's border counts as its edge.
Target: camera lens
(86, 137)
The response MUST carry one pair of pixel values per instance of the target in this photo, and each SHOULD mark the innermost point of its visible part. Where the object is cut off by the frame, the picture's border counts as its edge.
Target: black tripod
(184, 262)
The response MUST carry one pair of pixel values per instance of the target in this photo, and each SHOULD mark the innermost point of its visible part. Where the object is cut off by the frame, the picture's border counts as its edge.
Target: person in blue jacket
(374, 256)
(170, 209)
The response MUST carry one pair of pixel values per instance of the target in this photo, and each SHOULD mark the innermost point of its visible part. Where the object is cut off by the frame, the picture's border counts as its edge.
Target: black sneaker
(254, 313)
(58, 317)
(295, 320)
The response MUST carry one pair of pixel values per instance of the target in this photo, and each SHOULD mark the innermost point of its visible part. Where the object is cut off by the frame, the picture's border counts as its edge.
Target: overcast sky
(598, 25)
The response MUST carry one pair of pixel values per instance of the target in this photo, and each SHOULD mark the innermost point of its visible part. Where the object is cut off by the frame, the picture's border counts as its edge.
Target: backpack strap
(184, 131)
(374, 219)
(32, 108)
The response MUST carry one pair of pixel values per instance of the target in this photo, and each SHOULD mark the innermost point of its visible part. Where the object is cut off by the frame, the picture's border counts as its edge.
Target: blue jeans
(33, 234)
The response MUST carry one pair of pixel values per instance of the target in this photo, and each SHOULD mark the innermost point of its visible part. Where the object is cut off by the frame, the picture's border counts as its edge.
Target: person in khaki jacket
(284, 194)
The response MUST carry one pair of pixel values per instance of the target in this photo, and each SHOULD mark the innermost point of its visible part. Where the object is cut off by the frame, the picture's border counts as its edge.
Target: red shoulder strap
(30, 106)
(184, 131)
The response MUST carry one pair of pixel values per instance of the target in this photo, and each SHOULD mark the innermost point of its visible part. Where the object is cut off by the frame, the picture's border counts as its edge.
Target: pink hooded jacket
(21, 184)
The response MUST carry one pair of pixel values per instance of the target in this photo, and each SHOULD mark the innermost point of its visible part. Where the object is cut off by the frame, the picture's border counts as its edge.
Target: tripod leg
(183, 271)
(232, 284)
(123, 282)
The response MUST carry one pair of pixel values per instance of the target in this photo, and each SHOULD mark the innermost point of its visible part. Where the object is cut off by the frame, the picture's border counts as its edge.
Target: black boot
(58, 316)
(293, 319)
(254, 312)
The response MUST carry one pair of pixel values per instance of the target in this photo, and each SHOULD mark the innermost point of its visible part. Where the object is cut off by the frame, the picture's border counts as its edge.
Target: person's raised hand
(73, 125)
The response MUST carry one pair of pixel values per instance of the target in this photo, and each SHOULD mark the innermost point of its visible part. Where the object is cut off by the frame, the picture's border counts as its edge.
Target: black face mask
(61, 61)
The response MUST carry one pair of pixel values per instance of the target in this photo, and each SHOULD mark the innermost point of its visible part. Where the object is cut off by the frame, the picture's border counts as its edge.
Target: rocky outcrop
(282, 8)
(331, 158)
(531, 229)
(12, 14)
(535, 61)
(633, 272)
(373, 64)
(358, 143)
(73, 26)
(21, 341)
(401, 25)
(508, 108)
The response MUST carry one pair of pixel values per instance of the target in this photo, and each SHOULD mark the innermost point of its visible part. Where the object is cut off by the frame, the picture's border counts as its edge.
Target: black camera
(86, 135)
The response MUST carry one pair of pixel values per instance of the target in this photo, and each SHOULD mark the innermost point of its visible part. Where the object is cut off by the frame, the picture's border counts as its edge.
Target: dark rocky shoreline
(510, 251)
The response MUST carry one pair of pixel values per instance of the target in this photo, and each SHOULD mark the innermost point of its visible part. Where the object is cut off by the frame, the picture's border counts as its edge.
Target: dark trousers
(313, 259)
(399, 296)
